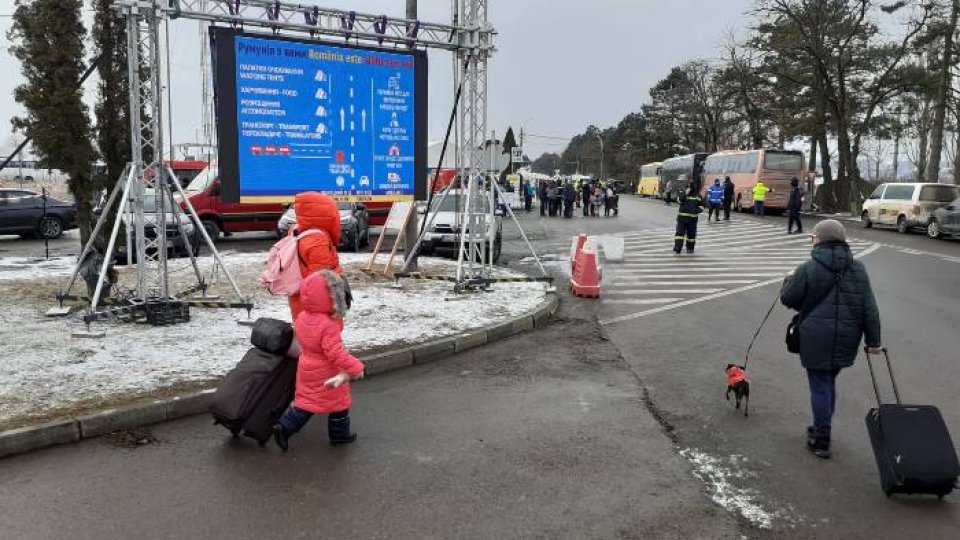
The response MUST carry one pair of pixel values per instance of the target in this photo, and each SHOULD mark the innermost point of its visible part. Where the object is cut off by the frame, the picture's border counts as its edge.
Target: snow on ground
(44, 369)
(29, 268)
(719, 476)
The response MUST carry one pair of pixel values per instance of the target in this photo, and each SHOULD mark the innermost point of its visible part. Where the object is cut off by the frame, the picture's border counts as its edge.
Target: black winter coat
(727, 191)
(796, 199)
(831, 330)
(690, 206)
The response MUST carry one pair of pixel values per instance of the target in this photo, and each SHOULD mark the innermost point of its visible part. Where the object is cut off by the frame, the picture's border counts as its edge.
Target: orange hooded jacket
(318, 251)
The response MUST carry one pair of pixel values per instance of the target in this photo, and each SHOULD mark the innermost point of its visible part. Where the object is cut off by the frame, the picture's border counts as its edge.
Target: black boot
(338, 428)
(819, 447)
(281, 438)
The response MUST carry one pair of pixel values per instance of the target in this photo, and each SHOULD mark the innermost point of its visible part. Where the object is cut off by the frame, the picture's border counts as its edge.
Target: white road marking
(640, 301)
(722, 294)
(664, 291)
(630, 282)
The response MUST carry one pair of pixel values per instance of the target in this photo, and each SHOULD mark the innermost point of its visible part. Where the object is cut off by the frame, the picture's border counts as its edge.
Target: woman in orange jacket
(317, 251)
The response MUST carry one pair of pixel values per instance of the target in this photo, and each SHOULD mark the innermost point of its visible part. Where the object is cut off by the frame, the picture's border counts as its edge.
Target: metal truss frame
(469, 37)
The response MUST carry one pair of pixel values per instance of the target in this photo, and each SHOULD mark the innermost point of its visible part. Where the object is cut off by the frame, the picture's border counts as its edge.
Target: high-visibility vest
(760, 192)
(715, 194)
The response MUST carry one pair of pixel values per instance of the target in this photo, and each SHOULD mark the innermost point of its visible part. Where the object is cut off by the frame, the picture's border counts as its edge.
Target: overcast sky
(560, 65)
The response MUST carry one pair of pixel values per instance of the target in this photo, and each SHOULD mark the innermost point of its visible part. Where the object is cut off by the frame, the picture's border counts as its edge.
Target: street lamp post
(600, 138)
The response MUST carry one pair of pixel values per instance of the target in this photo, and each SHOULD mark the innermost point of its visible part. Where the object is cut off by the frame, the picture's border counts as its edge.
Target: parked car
(443, 236)
(906, 206)
(945, 221)
(26, 213)
(180, 239)
(619, 186)
(354, 225)
(221, 217)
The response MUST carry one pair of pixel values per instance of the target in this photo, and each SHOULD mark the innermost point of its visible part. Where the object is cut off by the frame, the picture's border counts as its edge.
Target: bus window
(783, 161)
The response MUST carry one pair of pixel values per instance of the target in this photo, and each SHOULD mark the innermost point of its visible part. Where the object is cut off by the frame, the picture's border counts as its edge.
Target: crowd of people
(325, 367)
(720, 197)
(561, 197)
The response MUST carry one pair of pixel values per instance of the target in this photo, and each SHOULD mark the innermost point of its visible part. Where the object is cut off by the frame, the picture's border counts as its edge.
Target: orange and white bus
(745, 167)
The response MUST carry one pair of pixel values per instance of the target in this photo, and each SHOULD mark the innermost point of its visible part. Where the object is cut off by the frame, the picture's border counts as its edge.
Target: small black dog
(739, 384)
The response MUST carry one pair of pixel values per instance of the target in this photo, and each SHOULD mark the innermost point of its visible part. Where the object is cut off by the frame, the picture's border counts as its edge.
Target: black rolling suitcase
(254, 395)
(913, 448)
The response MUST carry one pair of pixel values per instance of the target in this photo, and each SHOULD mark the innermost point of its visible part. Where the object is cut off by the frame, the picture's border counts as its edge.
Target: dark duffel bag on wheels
(914, 451)
(254, 395)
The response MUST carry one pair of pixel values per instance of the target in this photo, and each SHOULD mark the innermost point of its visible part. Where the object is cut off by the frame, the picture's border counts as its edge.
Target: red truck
(219, 216)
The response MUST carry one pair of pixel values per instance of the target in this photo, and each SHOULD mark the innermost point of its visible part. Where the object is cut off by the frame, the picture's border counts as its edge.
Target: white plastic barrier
(613, 248)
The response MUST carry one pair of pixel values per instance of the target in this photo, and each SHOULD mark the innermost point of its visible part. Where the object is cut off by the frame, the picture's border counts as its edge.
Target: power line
(548, 137)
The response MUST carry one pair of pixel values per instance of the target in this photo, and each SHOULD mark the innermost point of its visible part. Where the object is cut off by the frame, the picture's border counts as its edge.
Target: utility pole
(600, 137)
(896, 147)
(410, 230)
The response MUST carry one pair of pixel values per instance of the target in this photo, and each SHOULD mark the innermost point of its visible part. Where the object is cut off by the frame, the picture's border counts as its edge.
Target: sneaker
(677, 251)
(280, 438)
(819, 448)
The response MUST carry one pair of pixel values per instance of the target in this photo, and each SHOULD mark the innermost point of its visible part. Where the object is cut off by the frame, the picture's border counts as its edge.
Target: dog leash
(746, 358)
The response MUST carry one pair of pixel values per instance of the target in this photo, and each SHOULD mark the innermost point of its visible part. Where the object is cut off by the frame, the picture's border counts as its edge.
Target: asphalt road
(678, 321)
(610, 423)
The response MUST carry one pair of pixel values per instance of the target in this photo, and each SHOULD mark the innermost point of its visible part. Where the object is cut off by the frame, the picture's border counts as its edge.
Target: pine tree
(112, 110)
(47, 38)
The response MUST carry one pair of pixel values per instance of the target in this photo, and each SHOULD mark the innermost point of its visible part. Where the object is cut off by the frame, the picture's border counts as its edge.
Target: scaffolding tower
(469, 37)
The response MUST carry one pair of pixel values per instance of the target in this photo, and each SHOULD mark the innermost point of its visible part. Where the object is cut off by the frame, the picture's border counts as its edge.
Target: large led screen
(297, 116)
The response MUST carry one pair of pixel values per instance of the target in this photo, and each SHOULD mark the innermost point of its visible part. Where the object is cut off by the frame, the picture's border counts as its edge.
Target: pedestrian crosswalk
(731, 257)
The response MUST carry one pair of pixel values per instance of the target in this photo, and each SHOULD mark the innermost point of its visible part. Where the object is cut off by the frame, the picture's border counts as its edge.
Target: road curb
(71, 430)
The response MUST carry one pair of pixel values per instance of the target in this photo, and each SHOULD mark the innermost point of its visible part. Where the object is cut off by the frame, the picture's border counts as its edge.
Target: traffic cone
(575, 248)
(585, 281)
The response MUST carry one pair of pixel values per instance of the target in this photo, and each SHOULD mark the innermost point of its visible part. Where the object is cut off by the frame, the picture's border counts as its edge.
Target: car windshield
(204, 179)
(150, 202)
(451, 203)
(943, 194)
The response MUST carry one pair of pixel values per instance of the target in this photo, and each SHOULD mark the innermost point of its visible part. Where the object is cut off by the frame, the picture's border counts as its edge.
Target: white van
(906, 206)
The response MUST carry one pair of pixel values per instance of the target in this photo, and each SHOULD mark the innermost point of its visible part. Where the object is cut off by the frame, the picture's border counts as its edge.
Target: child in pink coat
(325, 367)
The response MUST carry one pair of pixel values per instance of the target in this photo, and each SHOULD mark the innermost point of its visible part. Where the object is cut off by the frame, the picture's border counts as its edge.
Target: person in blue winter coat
(837, 312)
(715, 195)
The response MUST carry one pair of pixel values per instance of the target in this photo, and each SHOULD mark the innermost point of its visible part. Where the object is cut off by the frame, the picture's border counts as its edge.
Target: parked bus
(744, 167)
(649, 185)
(680, 173)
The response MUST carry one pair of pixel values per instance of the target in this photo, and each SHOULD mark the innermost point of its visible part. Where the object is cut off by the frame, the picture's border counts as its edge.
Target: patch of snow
(45, 368)
(28, 268)
(718, 474)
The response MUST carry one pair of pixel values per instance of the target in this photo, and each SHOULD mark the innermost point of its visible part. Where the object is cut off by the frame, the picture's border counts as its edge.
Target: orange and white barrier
(576, 246)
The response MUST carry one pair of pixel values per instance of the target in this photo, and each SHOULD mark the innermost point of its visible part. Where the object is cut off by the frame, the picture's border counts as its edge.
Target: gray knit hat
(830, 230)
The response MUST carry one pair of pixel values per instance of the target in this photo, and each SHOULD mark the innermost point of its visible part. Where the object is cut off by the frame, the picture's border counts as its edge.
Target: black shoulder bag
(793, 329)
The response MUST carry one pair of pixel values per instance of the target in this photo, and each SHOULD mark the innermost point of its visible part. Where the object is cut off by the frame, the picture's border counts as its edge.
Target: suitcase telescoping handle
(873, 377)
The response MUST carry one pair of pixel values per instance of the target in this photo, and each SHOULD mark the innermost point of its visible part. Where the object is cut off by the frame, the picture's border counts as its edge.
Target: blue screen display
(314, 117)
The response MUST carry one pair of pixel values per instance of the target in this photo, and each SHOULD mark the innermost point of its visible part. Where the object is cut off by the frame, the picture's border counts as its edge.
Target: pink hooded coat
(323, 355)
